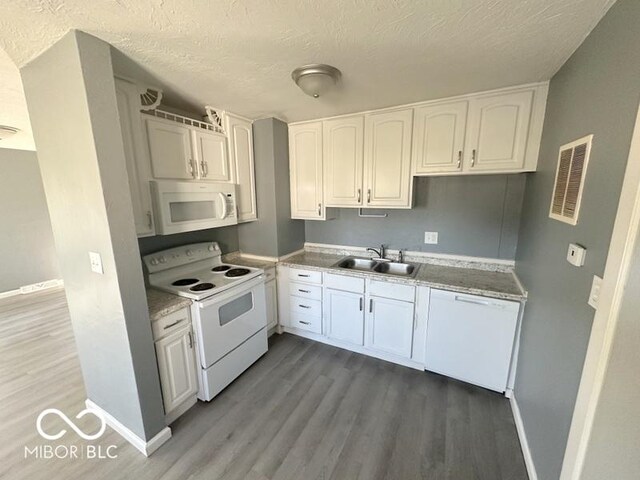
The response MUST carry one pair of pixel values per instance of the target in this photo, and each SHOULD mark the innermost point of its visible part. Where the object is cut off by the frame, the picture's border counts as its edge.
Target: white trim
(144, 446)
(34, 287)
(437, 256)
(264, 258)
(522, 436)
(513, 88)
(616, 273)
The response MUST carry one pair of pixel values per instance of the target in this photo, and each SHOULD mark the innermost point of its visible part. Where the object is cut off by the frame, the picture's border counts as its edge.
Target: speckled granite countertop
(488, 283)
(237, 259)
(162, 304)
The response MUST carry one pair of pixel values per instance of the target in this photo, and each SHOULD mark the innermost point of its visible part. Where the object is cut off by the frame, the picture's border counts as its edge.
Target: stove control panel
(178, 256)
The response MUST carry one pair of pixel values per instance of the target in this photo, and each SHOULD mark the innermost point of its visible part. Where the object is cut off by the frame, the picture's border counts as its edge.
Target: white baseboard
(524, 444)
(144, 446)
(34, 287)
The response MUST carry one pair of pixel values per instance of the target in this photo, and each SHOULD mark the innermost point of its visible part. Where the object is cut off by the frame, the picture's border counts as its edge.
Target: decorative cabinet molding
(240, 134)
(305, 171)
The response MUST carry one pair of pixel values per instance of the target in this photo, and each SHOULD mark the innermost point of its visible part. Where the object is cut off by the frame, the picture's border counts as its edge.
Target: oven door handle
(234, 292)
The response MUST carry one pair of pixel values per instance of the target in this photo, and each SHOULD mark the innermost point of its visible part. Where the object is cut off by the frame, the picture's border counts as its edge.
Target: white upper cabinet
(343, 142)
(438, 138)
(136, 155)
(210, 151)
(170, 150)
(388, 159)
(305, 170)
(240, 132)
(498, 132)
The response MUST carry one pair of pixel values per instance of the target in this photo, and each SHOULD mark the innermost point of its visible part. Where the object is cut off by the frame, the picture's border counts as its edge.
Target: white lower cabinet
(345, 316)
(175, 352)
(471, 338)
(390, 326)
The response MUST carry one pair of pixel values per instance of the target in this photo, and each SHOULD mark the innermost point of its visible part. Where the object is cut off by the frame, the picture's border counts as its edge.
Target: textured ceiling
(238, 54)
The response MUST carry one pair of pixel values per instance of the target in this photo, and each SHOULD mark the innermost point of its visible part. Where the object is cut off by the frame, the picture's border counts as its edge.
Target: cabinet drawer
(305, 307)
(314, 292)
(396, 291)
(170, 323)
(343, 282)
(307, 276)
(305, 322)
(269, 274)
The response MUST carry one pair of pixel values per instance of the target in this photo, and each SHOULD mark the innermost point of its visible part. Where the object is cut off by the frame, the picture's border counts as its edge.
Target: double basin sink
(385, 267)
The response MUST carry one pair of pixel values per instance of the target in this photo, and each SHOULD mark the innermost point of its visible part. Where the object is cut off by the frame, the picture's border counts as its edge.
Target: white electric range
(229, 312)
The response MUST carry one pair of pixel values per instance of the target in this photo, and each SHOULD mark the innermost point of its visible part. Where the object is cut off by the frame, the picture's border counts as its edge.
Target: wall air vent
(570, 174)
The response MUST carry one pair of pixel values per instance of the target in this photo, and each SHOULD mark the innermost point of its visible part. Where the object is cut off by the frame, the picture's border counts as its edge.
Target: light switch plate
(431, 238)
(594, 295)
(576, 254)
(96, 263)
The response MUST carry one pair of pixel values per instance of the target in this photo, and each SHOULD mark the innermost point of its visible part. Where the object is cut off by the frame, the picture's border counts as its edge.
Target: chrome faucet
(400, 256)
(380, 253)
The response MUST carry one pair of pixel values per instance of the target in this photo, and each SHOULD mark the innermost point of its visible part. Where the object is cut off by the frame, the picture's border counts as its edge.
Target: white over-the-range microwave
(187, 206)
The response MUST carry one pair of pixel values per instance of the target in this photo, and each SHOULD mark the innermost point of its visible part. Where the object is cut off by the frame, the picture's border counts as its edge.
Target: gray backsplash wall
(227, 237)
(27, 250)
(473, 215)
(595, 92)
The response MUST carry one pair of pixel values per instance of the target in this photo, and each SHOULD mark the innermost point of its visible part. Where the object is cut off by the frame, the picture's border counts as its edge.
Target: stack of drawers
(305, 299)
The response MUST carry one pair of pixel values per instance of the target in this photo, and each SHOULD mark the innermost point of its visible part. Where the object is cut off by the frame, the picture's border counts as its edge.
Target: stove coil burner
(202, 286)
(220, 268)
(184, 282)
(237, 272)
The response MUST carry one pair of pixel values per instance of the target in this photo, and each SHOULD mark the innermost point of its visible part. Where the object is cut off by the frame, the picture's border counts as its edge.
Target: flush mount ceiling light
(6, 132)
(316, 79)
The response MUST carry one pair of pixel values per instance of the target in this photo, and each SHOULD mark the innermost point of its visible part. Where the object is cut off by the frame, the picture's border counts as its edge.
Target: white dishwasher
(471, 338)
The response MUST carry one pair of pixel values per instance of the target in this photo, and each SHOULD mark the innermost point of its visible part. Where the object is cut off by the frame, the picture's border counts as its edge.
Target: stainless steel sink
(384, 267)
(394, 268)
(354, 263)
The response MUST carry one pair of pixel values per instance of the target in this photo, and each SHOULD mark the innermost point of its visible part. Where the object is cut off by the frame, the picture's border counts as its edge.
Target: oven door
(227, 320)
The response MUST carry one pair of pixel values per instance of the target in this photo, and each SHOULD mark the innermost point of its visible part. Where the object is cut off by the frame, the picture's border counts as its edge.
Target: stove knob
(163, 259)
(189, 253)
(211, 248)
(154, 261)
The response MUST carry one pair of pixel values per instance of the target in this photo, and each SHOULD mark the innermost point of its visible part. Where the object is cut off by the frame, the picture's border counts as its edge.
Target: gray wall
(596, 91)
(227, 237)
(27, 250)
(274, 234)
(85, 179)
(473, 215)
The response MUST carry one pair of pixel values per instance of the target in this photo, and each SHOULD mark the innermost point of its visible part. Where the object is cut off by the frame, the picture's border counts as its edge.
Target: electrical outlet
(594, 295)
(431, 238)
(96, 263)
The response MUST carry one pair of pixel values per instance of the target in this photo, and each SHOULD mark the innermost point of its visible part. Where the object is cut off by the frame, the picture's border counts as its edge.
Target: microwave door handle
(223, 202)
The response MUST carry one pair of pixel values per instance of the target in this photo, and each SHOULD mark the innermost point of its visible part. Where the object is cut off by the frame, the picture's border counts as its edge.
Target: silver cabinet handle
(303, 306)
(149, 219)
(473, 157)
(205, 168)
(471, 300)
(361, 303)
(371, 305)
(459, 158)
(191, 169)
(304, 323)
(359, 195)
(166, 327)
(190, 341)
(303, 275)
(368, 195)
(304, 291)
(319, 209)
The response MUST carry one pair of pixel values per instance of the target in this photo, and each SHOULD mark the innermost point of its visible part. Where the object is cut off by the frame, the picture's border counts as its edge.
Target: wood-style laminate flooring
(305, 411)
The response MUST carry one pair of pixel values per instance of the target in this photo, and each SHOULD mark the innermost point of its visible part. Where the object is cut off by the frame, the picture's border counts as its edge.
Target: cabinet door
(211, 156)
(305, 162)
(498, 132)
(170, 150)
(345, 316)
(390, 326)
(240, 132)
(471, 338)
(388, 159)
(343, 161)
(438, 138)
(177, 368)
(136, 155)
(272, 303)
